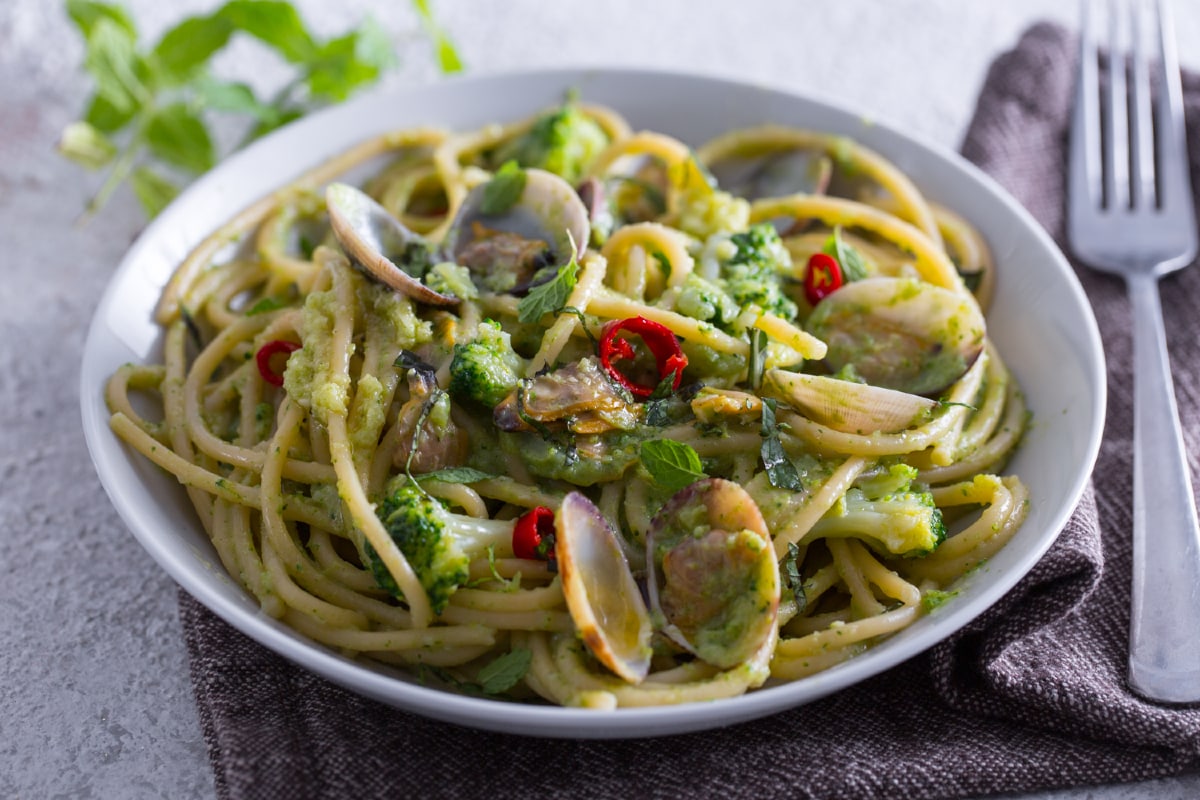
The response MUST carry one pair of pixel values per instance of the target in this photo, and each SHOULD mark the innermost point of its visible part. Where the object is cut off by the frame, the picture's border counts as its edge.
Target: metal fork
(1130, 213)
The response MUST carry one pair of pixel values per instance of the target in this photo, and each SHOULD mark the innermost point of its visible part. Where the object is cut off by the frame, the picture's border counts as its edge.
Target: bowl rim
(108, 453)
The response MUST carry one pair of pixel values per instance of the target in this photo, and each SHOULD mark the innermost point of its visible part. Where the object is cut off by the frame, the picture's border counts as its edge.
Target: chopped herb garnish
(780, 470)
(551, 296)
(758, 358)
(504, 190)
(672, 465)
(854, 266)
(264, 305)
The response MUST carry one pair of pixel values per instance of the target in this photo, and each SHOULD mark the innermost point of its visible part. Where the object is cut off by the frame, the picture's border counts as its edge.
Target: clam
(579, 395)
(847, 406)
(505, 250)
(713, 577)
(379, 244)
(774, 173)
(602, 595)
(900, 333)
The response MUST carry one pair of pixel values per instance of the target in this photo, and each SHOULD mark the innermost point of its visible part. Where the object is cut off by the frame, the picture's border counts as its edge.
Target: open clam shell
(774, 173)
(602, 595)
(847, 406)
(545, 227)
(713, 575)
(376, 242)
(900, 333)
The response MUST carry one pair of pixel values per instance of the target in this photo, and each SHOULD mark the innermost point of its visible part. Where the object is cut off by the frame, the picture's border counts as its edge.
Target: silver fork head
(1130, 198)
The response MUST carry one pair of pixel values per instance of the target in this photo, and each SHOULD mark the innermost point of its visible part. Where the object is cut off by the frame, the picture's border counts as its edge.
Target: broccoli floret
(705, 211)
(438, 543)
(705, 301)
(563, 141)
(886, 479)
(904, 524)
(487, 369)
(754, 274)
(446, 277)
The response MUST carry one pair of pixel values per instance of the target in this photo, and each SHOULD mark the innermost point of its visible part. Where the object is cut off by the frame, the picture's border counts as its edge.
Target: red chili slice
(822, 278)
(533, 535)
(266, 353)
(659, 339)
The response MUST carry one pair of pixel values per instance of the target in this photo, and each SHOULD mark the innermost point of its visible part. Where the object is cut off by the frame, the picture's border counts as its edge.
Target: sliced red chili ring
(659, 340)
(266, 353)
(822, 278)
(533, 534)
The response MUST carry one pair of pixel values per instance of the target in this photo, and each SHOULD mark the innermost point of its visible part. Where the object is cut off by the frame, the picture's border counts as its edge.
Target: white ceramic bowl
(1040, 319)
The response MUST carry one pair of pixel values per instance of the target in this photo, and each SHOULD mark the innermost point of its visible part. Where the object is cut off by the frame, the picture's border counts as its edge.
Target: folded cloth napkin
(1030, 696)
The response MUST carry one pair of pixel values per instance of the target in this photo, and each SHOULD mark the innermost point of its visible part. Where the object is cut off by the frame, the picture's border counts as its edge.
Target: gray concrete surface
(94, 692)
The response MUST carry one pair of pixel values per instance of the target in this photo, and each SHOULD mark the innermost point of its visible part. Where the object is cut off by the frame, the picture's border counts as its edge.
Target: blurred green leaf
(274, 23)
(186, 48)
(153, 191)
(178, 136)
(85, 14)
(87, 146)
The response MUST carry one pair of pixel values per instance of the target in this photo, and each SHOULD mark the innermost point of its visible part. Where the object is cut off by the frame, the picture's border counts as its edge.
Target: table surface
(95, 698)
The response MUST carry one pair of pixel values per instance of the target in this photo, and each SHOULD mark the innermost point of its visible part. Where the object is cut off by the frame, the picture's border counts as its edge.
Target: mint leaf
(504, 190)
(153, 191)
(791, 574)
(672, 465)
(85, 14)
(237, 98)
(344, 64)
(781, 472)
(274, 23)
(758, 358)
(178, 136)
(102, 115)
(184, 49)
(113, 62)
(456, 475)
(506, 671)
(549, 297)
(265, 305)
(854, 266)
(448, 59)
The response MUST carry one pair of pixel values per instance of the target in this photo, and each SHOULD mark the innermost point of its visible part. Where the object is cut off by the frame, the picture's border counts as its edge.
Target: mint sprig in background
(148, 120)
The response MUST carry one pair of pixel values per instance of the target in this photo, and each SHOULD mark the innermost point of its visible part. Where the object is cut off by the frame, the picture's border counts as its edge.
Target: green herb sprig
(148, 118)
(672, 465)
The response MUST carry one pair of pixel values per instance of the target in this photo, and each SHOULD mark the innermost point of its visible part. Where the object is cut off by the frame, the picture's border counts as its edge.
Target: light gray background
(95, 699)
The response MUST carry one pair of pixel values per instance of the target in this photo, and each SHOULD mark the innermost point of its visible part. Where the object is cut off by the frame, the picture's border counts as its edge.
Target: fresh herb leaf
(265, 305)
(112, 61)
(236, 98)
(154, 192)
(854, 266)
(506, 671)
(178, 136)
(186, 48)
(456, 475)
(791, 573)
(449, 60)
(672, 465)
(349, 62)
(504, 190)
(550, 296)
(780, 470)
(85, 14)
(659, 402)
(275, 23)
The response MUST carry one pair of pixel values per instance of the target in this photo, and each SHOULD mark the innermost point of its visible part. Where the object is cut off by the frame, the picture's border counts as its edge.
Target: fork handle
(1164, 632)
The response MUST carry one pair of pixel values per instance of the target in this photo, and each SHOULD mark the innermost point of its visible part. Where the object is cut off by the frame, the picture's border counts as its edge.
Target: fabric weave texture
(1030, 696)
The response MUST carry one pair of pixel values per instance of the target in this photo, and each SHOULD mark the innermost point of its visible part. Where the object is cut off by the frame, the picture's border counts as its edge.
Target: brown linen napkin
(1030, 696)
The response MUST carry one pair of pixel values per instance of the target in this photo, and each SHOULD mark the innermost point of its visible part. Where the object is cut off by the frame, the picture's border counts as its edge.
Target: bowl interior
(1040, 321)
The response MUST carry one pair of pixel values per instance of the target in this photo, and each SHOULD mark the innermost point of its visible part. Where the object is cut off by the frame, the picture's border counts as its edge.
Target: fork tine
(1141, 132)
(1172, 148)
(1116, 119)
(1085, 172)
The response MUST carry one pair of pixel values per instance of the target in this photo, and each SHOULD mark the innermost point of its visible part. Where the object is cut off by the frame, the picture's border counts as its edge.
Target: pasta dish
(557, 411)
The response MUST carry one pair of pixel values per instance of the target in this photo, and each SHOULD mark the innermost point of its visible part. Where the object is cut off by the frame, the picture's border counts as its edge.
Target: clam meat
(900, 333)
(713, 579)
(505, 250)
